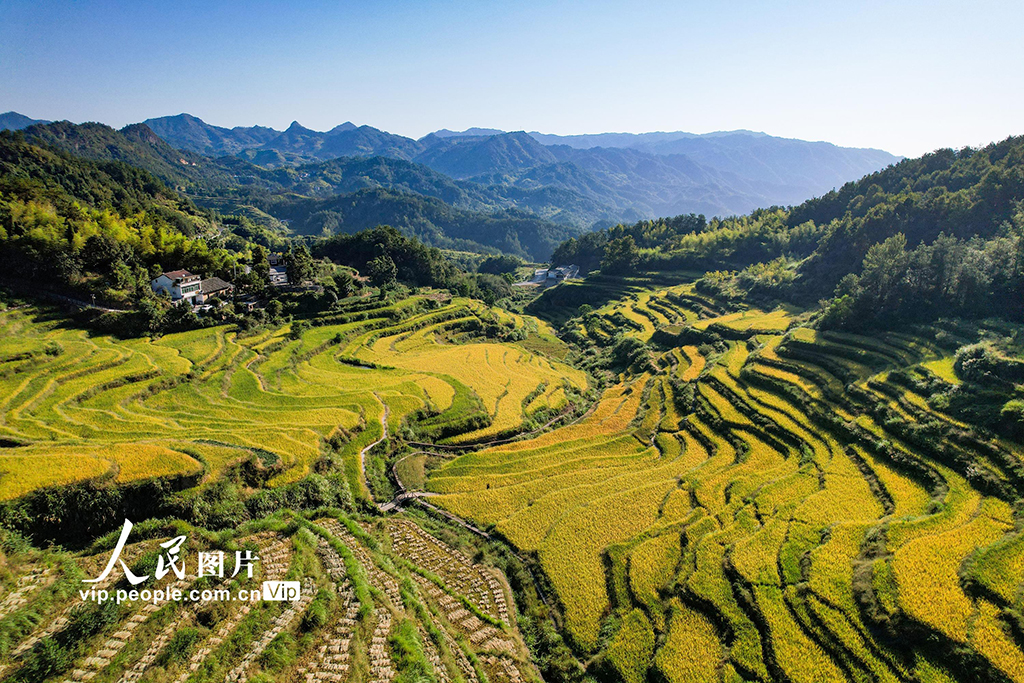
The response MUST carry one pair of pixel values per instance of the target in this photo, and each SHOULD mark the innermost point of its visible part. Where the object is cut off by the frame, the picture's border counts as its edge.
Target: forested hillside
(939, 235)
(66, 219)
(12, 120)
(349, 194)
(646, 175)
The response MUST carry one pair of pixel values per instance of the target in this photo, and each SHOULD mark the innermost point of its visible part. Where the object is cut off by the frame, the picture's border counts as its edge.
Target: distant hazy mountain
(350, 174)
(12, 120)
(627, 179)
(647, 174)
(188, 132)
(462, 157)
(296, 144)
(599, 177)
(631, 140)
(469, 132)
(361, 141)
(795, 168)
(347, 193)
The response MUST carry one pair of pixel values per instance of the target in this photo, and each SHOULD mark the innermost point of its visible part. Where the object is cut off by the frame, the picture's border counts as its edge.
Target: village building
(278, 276)
(185, 287)
(278, 269)
(215, 287)
(562, 273)
(546, 277)
(180, 285)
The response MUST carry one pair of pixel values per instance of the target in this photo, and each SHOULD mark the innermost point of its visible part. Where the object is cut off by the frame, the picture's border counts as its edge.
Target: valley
(536, 342)
(782, 446)
(746, 499)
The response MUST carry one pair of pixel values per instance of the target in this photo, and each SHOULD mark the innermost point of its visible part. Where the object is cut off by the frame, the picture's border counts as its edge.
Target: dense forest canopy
(62, 218)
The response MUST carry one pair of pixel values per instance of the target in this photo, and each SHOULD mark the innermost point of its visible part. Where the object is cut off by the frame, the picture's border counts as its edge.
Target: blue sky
(907, 77)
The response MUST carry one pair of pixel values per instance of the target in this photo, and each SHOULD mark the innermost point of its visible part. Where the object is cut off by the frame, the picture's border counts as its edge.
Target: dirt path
(78, 302)
(405, 496)
(419, 498)
(384, 437)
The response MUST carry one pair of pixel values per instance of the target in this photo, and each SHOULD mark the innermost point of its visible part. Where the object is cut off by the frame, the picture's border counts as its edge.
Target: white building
(180, 285)
(278, 276)
(563, 273)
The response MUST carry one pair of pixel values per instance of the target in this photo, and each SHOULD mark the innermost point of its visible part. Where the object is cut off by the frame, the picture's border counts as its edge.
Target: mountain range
(650, 174)
(533, 188)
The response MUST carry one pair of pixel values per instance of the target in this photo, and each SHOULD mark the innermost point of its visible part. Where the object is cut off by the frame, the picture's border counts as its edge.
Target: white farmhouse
(180, 285)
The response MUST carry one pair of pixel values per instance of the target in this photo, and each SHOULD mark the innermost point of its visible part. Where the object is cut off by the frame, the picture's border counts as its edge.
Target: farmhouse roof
(179, 274)
(212, 285)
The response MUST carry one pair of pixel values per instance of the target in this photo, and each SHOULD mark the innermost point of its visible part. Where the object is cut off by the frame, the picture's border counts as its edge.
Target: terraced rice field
(783, 528)
(751, 320)
(762, 502)
(76, 407)
(344, 626)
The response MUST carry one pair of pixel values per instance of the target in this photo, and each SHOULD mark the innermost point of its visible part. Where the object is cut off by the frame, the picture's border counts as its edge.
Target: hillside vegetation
(939, 235)
(343, 196)
(381, 601)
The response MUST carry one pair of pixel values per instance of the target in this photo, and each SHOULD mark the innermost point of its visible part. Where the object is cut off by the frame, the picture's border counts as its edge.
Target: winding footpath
(383, 437)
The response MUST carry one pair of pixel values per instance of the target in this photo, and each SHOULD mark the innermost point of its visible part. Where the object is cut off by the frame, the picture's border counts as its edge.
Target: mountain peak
(469, 132)
(142, 133)
(186, 131)
(342, 127)
(12, 120)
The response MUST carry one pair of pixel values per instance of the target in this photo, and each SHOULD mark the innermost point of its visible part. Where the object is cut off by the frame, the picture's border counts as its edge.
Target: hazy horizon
(417, 137)
(856, 75)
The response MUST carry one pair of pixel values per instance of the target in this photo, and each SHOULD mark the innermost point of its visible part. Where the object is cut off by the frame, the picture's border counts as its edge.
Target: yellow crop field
(774, 373)
(735, 509)
(1000, 568)
(926, 574)
(652, 565)
(773, 508)
(800, 658)
(501, 375)
(991, 639)
(696, 364)
(753, 319)
(723, 406)
(632, 649)
(692, 651)
(96, 406)
(36, 466)
(943, 369)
